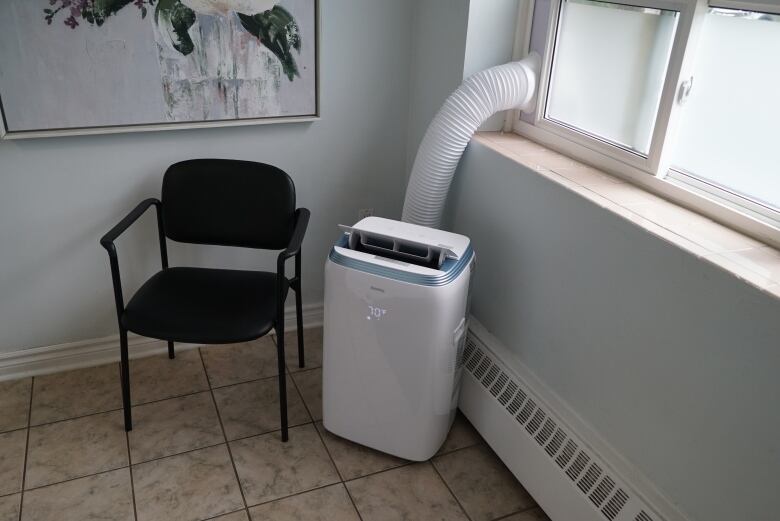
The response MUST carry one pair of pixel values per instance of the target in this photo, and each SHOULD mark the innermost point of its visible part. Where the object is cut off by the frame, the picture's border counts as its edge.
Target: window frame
(653, 172)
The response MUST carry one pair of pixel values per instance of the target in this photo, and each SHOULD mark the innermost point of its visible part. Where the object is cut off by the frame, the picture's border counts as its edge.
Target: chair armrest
(301, 223)
(107, 241)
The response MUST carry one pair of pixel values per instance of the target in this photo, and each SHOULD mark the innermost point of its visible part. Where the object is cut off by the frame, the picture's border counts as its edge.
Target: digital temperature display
(375, 313)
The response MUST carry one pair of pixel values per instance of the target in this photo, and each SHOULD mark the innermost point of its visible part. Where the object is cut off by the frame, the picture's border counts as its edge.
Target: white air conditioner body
(396, 302)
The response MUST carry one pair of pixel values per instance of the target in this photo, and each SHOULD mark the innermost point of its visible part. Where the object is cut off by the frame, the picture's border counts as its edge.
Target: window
(730, 123)
(683, 95)
(608, 70)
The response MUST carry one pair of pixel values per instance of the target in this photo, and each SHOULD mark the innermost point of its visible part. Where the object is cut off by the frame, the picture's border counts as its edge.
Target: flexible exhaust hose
(504, 87)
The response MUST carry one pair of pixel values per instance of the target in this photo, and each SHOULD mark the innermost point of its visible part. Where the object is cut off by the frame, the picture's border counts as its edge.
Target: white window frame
(652, 172)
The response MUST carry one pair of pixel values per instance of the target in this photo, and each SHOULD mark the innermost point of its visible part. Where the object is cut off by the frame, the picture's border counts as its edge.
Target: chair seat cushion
(201, 305)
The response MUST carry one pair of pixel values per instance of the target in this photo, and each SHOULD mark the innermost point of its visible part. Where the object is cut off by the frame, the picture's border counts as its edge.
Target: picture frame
(229, 24)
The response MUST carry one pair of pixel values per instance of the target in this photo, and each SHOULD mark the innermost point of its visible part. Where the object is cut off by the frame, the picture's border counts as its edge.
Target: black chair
(227, 203)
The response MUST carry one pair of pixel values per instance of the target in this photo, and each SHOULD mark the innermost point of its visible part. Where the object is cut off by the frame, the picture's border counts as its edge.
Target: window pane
(729, 129)
(608, 70)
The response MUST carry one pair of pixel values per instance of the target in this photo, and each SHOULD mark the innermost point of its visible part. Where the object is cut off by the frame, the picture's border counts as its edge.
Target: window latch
(685, 91)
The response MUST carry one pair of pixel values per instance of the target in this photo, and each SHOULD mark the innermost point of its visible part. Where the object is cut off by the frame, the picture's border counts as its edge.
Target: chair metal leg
(299, 318)
(282, 378)
(125, 379)
(171, 354)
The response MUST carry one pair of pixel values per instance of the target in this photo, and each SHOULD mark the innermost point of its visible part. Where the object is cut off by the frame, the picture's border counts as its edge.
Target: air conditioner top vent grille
(585, 472)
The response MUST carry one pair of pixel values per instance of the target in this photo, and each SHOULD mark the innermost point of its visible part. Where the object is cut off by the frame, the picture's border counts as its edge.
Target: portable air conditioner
(396, 302)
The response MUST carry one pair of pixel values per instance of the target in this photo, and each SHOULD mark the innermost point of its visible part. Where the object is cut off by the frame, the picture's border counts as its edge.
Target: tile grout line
(224, 434)
(129, 456)
(26, 447)
(325, 446)
(522, 511)
(447, 485)
(130, 471)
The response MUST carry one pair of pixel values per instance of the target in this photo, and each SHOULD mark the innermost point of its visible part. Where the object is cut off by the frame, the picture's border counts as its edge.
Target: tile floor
(206, 445)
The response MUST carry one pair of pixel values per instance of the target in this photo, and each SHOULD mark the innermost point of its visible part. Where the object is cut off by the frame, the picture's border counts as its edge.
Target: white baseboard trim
(530, 462)
(96, 351)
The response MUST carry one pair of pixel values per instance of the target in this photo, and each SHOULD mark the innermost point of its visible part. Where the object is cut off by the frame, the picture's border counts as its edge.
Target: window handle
(685, 91)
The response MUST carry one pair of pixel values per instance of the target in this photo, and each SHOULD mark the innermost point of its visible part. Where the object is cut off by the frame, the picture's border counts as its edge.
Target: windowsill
(744, 257)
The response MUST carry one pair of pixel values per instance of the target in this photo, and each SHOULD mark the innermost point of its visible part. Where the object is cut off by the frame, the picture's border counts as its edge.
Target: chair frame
(293, 249)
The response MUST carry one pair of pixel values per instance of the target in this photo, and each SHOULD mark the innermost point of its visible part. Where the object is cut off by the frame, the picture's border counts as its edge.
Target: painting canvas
(70, 65)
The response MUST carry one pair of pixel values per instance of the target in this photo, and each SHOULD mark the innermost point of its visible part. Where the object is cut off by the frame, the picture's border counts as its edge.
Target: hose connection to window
(508, 86)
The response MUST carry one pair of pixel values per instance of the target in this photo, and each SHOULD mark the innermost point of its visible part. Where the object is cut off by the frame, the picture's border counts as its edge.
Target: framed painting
(97, 66)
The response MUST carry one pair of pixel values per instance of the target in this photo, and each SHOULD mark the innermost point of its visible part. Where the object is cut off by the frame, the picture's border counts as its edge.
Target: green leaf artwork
(271, 24)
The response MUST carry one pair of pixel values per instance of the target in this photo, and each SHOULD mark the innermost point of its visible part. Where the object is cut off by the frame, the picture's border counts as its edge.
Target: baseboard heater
(566, 477)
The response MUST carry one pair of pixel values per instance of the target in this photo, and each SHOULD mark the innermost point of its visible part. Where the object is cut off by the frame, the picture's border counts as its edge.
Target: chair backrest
(228, 203)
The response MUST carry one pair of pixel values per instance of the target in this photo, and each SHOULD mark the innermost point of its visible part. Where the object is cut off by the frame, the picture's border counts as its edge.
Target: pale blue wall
(59, 195)
(672, 360)
(438, 50)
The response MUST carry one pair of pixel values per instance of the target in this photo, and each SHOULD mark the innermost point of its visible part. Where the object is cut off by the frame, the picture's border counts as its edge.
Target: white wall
(59, 195)
(672, 360)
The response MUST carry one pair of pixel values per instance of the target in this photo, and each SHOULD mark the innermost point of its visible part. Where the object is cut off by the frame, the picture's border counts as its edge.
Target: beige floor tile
(534, 514)
(62, 396)
(412, 493)
(174, 426)
(241, 515)
(14, 404)
(354, 460)
(270, 469)
(158, 377)
(12, 446)
(235, 363)
(325, 504)
(309, 383)
(312, 347)
(461, 435)
(75, 448)
(482, 484)
(9, 507)
(253, 407)
(187, 487)
(93, 498)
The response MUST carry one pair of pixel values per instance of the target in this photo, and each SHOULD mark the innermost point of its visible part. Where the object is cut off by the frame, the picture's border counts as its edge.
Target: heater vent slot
(526, 412)
(516, 403)
(507, 394)
(536, 421)
(615, 504)
(482, 368)
(567, 454)
(468, 349)
(600, 490)
(555, 443)
(578, 466)
(499, 384)
(472, 362)
(490, 376)
(590, 477)
(545, 432)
